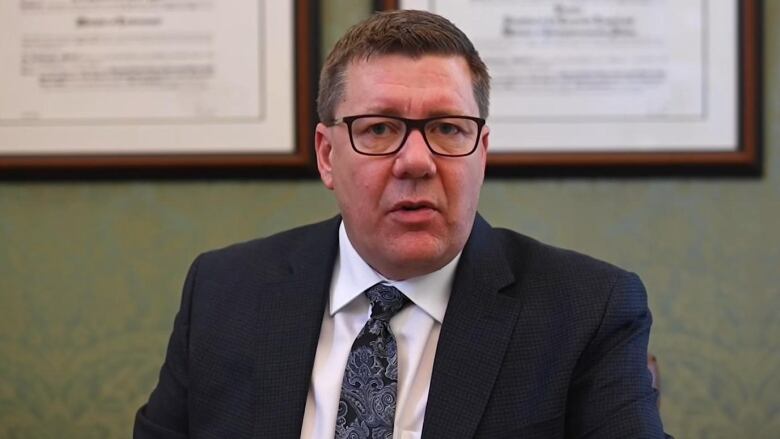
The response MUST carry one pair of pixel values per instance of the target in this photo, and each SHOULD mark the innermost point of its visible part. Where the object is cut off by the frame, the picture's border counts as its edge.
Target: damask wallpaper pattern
(90, 274)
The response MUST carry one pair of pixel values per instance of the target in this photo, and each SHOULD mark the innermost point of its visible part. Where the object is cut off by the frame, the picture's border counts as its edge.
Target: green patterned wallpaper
(90, 274)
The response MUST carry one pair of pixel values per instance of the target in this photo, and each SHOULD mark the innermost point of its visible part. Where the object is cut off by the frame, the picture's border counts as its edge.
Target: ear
(323, 147)
(484, 142)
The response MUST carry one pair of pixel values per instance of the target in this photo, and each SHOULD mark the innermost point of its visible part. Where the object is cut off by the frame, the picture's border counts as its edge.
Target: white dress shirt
(416, 329)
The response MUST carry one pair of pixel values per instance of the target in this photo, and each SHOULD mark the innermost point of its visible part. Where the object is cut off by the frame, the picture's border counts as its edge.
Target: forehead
(405, 86)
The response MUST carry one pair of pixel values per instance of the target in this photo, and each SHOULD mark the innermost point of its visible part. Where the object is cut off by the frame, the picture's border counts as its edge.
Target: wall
(90, 275)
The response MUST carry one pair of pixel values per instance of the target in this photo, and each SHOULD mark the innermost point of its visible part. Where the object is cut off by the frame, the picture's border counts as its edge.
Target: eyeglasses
(378, 135)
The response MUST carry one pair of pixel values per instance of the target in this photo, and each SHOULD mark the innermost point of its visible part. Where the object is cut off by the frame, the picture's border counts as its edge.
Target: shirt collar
(352, 276)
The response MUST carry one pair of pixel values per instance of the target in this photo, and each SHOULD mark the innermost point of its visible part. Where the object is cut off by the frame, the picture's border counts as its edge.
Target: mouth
(413, 206)
(414, 213)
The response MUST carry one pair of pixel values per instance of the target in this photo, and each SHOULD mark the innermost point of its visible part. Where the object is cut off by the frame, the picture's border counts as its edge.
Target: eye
(445, 128)
(448, 128)
(379, 129)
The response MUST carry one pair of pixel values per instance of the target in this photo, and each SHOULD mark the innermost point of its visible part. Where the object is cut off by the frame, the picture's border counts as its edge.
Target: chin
(417, 258)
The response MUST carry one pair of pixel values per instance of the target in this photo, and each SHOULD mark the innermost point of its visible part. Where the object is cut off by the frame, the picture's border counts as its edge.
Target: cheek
(463, 187)
(359, 188)
(475, 179)
(344, 171)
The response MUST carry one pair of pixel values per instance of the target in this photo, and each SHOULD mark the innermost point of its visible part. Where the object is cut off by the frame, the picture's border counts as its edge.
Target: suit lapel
(474, 337)
(287, 346)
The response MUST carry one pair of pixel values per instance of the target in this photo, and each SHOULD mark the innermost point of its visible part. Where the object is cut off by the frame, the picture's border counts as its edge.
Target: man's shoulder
(276, 251)
(560, 281)
(539, 263)
(519, 246)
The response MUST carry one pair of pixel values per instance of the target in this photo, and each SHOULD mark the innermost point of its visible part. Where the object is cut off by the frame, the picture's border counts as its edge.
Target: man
(407, 316)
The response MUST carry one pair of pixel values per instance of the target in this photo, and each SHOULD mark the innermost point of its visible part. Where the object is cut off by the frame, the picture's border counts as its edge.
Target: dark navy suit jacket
(537, 342)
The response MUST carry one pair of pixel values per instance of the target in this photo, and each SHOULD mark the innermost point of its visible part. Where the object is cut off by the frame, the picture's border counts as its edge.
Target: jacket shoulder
(273, 254)
(519, 246)
(558, 269)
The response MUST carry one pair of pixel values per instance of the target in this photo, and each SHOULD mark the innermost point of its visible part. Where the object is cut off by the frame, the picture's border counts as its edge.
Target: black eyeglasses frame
(410, 124)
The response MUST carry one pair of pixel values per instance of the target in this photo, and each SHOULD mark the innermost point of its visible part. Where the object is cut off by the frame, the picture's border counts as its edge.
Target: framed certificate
(658, 86)
(163, 84)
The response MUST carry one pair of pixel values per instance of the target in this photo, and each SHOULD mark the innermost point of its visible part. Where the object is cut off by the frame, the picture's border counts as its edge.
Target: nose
(414, 160)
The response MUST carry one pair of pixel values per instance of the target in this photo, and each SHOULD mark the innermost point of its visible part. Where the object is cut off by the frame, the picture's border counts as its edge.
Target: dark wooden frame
(300, 161)
(744, 160)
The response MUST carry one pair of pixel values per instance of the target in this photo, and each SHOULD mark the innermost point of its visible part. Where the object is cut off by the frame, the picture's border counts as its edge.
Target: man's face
(409, 213)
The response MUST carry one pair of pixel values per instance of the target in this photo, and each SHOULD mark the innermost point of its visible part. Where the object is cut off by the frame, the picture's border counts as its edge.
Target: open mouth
(414, 212)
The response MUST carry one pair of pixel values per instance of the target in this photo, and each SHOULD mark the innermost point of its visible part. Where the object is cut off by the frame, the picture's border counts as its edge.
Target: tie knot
(386, 301)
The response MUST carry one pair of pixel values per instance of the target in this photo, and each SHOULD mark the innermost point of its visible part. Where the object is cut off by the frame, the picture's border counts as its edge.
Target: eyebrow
(391, 111)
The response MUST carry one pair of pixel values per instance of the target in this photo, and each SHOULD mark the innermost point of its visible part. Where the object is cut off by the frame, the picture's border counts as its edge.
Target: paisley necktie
(368, 392)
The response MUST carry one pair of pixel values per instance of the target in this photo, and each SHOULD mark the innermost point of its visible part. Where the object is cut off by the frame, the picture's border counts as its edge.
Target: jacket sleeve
(165, 415)
(611, 395)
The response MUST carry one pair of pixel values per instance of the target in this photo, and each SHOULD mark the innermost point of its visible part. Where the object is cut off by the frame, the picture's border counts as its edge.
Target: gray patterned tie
(368, 392)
